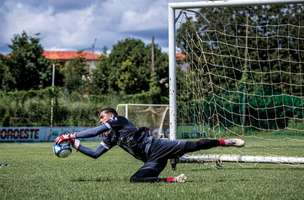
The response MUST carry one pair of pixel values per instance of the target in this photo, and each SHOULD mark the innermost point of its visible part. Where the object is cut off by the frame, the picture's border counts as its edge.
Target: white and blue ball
(62, 150)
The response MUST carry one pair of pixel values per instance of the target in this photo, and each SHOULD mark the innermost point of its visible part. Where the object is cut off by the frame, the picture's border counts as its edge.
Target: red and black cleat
(173, 163)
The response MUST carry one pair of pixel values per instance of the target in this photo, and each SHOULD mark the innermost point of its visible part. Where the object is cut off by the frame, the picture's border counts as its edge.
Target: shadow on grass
(93, 180)
(103, 180)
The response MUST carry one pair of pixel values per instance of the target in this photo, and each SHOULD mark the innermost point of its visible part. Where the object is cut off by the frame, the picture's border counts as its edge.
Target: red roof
(180, 56)
(67, 55)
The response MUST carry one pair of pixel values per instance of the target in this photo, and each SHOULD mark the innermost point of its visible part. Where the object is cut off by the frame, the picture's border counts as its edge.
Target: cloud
(145, 18)
(74, 25)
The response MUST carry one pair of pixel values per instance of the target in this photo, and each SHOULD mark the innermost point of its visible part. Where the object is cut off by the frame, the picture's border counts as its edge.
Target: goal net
(239, 72)
(153, 116)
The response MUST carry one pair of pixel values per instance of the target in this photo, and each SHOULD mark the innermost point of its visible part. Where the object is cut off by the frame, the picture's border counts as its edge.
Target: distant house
(181, 61)
(180, 57)
(63, 57)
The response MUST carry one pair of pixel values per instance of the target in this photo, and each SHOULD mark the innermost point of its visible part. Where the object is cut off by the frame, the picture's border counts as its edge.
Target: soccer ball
(62, 150)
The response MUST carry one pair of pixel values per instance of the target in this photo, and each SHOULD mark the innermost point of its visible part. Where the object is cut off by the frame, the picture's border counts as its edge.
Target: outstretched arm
(83, 134)
(91, 152)
(88, 151)
(93, 131)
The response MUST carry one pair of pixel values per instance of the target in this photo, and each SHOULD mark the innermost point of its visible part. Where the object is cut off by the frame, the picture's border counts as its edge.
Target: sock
(222, 143)
(170, 180)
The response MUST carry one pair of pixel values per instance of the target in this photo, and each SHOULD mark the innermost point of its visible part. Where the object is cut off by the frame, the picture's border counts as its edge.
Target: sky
(72, 25)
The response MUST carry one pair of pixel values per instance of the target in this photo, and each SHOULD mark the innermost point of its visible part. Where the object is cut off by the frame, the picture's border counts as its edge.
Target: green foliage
(6, 119)
(127, 78)
(155, 89)
(76, 74)
(99, 77)
(232, 21)
(219, 81)
(124, 76)
(33, 107)
(6, 77)
(28, 67)
(128, 68)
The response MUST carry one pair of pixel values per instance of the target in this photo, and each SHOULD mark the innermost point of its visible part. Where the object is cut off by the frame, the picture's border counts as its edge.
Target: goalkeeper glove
(67, 136)
(75, 143)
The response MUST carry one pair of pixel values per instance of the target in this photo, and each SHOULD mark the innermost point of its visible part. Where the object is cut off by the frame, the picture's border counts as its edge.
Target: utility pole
(52, 101)
(93, 49)
(152, 55)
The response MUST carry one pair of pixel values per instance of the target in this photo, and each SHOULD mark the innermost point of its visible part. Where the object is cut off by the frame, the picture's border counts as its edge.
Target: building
(180, 57)
(63, 57)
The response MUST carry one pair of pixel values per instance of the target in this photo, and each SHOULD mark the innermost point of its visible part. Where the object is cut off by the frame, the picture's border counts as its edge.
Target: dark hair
(109, 110)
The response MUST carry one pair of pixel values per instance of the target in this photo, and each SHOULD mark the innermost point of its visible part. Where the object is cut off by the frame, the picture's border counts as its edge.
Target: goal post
(240, 73)
(153, 116)
(241, 159)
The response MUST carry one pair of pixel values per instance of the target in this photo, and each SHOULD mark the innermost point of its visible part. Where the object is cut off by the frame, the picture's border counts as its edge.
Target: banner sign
(31, 134)
(40, 134)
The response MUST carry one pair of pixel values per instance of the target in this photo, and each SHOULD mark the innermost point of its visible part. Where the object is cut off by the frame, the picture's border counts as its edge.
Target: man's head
(106, 114)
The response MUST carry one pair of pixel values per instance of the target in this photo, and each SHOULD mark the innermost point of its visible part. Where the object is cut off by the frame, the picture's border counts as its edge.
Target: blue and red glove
(67, 136)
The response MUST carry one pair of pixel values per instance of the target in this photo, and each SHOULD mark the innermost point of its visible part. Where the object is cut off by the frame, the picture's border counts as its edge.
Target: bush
(6, 120)
(33, 107)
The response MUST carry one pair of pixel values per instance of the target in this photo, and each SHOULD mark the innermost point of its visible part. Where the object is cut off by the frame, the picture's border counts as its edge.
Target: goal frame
(172, 7)
(160, 133)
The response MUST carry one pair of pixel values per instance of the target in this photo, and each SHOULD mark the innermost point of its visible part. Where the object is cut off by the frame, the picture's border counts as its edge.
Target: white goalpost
(153, 116)
(242, 159)
(240, 73)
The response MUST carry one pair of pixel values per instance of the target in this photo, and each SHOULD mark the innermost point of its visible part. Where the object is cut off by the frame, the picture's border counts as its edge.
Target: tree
(26, 63)
(232, 21)
(6, 79)
(155, 89)
(76, 74)
(269, 41)
(99, 77)
(105, 50)
(127, 79)
(127, 69)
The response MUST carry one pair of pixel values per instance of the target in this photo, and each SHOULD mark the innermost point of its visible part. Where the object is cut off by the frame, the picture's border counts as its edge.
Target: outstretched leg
(192, 146)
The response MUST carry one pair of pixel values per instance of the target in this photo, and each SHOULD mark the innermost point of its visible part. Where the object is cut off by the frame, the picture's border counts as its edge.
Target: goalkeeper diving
(139, 143)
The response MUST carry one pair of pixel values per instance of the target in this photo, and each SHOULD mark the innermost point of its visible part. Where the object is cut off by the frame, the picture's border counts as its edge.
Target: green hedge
(33, 107)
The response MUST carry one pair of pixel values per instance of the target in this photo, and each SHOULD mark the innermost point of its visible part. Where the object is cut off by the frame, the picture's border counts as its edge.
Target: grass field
(34, 172)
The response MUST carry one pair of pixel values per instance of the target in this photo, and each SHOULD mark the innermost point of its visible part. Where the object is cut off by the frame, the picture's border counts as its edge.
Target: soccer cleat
(180, 179)
(235, 142)
(173, 163)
